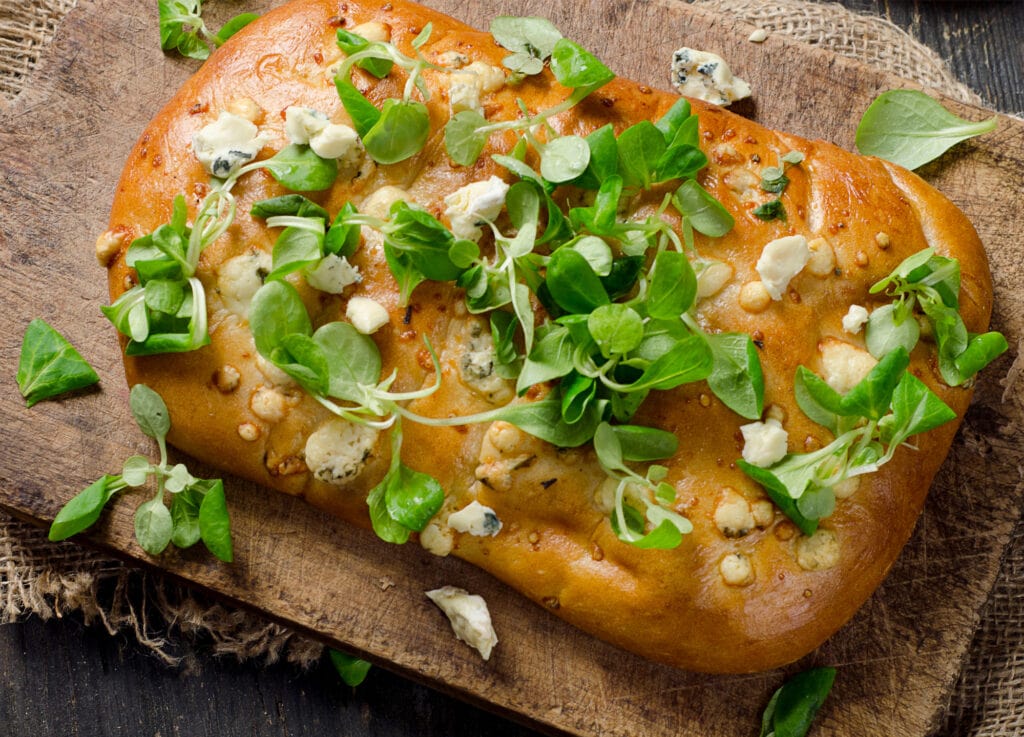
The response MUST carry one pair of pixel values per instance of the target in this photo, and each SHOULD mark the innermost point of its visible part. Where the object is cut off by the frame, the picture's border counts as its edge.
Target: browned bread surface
(556, 545)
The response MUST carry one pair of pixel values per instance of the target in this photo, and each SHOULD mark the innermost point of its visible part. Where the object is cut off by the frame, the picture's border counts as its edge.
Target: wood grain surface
(62, 145)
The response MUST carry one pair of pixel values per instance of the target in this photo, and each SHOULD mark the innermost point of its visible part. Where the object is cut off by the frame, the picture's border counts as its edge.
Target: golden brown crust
(556, 545)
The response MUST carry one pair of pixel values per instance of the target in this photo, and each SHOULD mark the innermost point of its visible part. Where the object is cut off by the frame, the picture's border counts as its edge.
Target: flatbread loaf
(746, 590)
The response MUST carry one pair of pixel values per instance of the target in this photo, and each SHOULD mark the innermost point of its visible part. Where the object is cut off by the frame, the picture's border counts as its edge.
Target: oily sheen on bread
(684, 606)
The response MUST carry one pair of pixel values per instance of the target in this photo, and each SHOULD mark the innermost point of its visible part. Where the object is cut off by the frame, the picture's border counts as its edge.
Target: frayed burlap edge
(866, 38)
(51, 580)
(54, 579)
(25, 30)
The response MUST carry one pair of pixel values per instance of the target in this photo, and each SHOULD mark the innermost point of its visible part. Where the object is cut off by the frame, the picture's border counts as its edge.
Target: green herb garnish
(645, 519)
(531, 41)
(775, 181)
(198, 510)
(771, 210)
(869, 423)
(49, 365)
(399, 129)
(910, 128)
(932, 283)
(351, 669)
(574, 67)
(794, 705)
(166, 311)
(182, 28)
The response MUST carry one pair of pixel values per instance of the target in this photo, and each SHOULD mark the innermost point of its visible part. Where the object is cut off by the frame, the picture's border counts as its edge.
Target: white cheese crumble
(467, 85)
(366, 315)
(268, 404)
(733, 514)
(477, 366)
(239, 278)
(305, 126)
(469, 617)
(226, 144)
(476, 519)
(759, 35)
(473, 205)
(332, 274)
(707, 77)
(436, 539)
(340, 142)
(818, 552)
(712, 277)
(452, 59)
(843, 365)
(780, 261)
(338, 451)
(302, 123)
(736, 570)
(378, 203)
(764, 443)
(854, 319)
(373, 31)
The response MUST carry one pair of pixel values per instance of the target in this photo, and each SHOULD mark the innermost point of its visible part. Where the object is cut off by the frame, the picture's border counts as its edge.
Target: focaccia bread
(745, 590)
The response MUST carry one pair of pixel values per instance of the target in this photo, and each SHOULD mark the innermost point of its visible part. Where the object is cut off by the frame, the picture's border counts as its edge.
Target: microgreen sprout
(531, 41)
(792, 707)
(869, 423)
(932, 283)
(775, 181)
(574, 67)
(350, 669)
(642, 513)
(49, 365)
(182, 28)
(909, 128)
(166, 311)
(198, 510)
(399, 129)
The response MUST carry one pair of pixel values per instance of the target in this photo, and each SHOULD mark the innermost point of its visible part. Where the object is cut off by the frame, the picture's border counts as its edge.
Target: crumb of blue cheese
(469, 617)
(305, 126)
(452, 59)
(780, 261)
(239, 278)
(818, 552)
(366, 315)
(338, 450)
(226, 144)
(759, 35)
(476, 519)
(477, 366)
(854, 319)
(470, 82)
(332, 274)
(707, 77)
(474, 205)
(764, 443)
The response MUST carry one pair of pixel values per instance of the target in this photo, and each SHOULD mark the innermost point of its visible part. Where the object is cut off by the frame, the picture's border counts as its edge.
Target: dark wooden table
(62, 678)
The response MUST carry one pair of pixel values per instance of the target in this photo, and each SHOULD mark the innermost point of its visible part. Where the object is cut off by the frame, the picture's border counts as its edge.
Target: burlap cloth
(51, 580)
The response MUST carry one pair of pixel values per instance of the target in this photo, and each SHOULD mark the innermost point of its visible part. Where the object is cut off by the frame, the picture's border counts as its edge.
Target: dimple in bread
(744, 591)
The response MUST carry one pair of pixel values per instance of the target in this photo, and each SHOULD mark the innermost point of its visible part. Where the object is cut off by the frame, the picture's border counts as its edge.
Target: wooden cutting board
(62, 144)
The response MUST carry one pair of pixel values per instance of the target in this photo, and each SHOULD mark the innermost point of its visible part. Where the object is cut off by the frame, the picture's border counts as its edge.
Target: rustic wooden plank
(57, 681)
(904, 646)
(979, 41)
